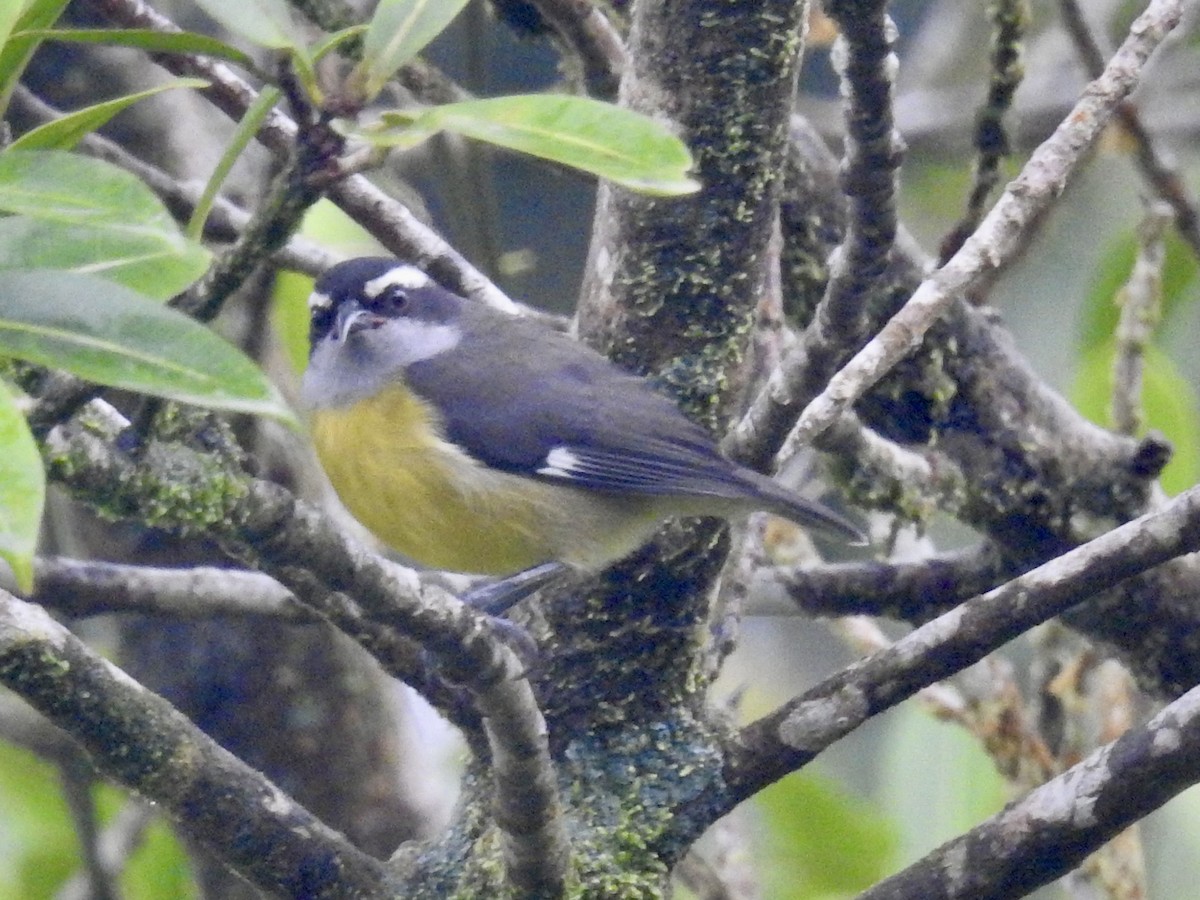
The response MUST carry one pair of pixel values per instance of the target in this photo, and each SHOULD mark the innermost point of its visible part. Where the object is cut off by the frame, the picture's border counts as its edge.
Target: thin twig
(1162, 175)
(1140, 302)
(864, 59)
(388, 220)
(117, 843)
(991, 247)
(1010, 19)
(908, 591)
(78, 778)
(582, 27)
(794, 734)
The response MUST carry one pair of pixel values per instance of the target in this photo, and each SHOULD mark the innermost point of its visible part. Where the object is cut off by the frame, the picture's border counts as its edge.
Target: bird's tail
(781, 501)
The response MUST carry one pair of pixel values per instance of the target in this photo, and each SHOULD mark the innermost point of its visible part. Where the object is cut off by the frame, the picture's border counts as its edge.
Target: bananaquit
(475, 441)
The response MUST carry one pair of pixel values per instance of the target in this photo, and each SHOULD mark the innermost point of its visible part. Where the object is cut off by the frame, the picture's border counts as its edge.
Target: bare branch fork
(1000, 234)
(793, 735)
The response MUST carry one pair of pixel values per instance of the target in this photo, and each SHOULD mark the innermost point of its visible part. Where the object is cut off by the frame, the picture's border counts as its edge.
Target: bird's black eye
(392, 301)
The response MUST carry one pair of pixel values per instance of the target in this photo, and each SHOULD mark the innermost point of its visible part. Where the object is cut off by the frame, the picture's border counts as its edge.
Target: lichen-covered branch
(138, 739)
(1048, 832)
(172, 486)
(1010, 19)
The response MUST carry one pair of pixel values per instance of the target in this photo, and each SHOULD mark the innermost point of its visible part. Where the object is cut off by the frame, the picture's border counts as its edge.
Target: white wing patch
(318, 300)
(403, 276)
(560, 463)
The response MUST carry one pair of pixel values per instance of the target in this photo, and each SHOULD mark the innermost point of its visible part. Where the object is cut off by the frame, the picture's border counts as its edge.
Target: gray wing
(573, 417)
(562, 412)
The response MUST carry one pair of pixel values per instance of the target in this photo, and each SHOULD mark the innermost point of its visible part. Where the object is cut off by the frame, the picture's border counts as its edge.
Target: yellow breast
(425, 498)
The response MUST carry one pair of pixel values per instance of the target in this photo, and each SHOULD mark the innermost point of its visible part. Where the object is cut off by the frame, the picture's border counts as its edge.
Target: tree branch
(1049, 831)
(1003, 230)
(584, 28)
(140, 740)
(388, 220)
(258, 522)
(1165, 178)
(1010, 19)
(908, 591)
(791, 736)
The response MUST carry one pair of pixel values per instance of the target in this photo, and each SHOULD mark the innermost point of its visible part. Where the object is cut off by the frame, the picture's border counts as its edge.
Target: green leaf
(149, 40)
(152, 263)
(85, 214)
(614, 143)
(819, 841)
(242, 136)
(66, 132)
(10, 13)
(268, 23)
(15, 52)
(335, 40)
(22, 491)
(1179, 285)
(106, 333)
(398, 31)
(52, 184)
(1169, 402)
(289, 315)
(38, 842)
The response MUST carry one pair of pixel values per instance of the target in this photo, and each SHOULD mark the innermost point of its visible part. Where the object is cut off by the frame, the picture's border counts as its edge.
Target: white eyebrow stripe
(403, 276)
(319, 300)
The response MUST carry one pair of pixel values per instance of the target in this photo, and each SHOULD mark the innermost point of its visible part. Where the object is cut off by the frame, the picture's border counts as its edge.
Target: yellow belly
(431, 502)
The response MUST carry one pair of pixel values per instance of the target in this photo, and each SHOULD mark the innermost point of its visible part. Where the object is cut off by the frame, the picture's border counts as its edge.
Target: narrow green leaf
(91, 216)
(335, 40)
(106, 333)
(268, 23)
(16, 51)
(154, 263)
(22, 491)
(614, 143)
(149, 40)
(398, 31)
(246, 130)
(66, 132)
(10, 13)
